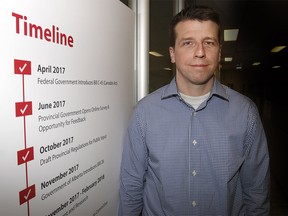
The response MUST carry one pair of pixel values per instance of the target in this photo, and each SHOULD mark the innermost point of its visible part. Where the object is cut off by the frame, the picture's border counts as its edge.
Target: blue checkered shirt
(179, 161)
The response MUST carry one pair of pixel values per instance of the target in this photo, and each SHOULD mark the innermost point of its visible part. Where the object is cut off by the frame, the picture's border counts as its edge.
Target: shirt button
(194, 113)
(194, 173)
(194, 142)
(193, 203)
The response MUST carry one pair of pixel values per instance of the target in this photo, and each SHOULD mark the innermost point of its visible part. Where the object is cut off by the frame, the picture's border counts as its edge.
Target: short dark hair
(195, 12)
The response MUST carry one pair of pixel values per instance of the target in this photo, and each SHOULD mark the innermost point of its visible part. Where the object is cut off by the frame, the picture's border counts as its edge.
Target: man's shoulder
(153, 97)
(238, 99)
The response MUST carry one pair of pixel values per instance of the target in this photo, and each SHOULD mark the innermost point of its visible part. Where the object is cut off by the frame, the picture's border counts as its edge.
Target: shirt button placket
(194, 164)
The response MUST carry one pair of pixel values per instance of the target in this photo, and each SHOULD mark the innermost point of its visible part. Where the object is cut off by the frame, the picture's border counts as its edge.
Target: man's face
(196, 54)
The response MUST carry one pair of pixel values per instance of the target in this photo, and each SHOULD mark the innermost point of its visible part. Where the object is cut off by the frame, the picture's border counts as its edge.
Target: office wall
(67, 91)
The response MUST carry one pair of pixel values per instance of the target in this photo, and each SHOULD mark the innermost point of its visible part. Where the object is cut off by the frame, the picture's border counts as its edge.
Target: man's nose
(200, 51)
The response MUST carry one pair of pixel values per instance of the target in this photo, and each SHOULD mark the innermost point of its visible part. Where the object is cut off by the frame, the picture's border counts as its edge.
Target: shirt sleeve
(133, 167)
(255, 173)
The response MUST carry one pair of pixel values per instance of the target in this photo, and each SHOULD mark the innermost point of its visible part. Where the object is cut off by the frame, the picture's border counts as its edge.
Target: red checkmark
(25, 155)
(22, 67)
(23, 108)
(27, 194)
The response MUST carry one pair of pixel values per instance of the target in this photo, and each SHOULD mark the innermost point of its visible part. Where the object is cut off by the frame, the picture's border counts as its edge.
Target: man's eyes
(209, 43)
(204, 43)
(188, 43)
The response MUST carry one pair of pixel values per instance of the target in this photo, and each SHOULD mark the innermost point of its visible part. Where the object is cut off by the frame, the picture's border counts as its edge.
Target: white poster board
(67, 92)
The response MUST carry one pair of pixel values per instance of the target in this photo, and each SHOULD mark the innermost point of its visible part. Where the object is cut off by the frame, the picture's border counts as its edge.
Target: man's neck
(195, 90)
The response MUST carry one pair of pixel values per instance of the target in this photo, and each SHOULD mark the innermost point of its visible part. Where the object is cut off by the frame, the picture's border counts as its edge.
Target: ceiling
(262, 24)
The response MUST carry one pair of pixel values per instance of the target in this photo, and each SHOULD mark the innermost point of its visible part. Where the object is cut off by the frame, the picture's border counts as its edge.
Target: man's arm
(255, 173)
(133, 167)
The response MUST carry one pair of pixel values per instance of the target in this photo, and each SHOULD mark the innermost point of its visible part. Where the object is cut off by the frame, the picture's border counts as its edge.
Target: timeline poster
(66, 92)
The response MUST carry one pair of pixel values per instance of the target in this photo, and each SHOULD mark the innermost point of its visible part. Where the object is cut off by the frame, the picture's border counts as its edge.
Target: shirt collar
(170, 90)
(218, 90)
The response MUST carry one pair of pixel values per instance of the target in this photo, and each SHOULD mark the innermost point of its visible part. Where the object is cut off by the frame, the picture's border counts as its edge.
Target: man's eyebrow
(210, 38)
(181, 40)
(191, 38)
(186, 39)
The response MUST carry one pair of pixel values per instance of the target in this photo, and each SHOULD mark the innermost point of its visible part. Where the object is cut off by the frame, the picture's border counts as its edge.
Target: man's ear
(172, 54)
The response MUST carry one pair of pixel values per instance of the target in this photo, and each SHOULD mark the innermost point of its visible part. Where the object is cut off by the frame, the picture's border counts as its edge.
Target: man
(195, 147)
